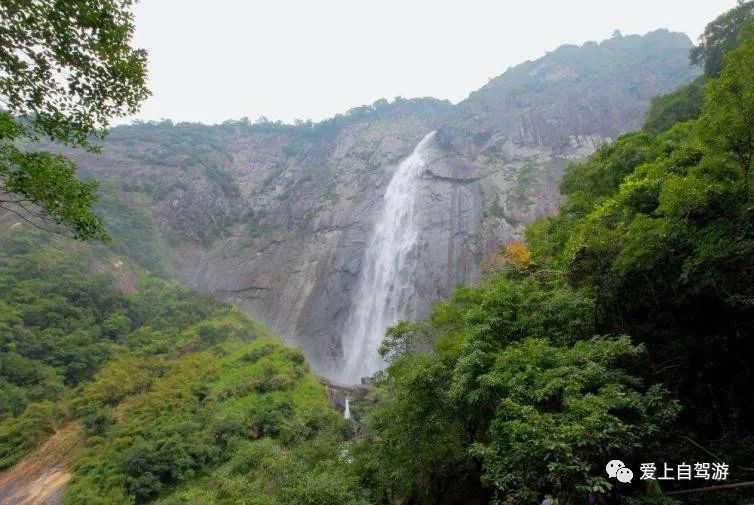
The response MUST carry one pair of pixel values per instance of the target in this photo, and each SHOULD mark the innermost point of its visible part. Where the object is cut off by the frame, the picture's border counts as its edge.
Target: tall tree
(66, 69)
(721, 36)
(729, 117)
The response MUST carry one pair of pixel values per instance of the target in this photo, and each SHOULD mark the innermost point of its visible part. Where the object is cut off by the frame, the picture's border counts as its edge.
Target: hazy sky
(310, 59)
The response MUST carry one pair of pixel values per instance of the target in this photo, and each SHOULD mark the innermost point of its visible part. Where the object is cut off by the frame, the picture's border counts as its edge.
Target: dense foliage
(66, 68)
(179, 397)
(531, 388)
(681, 105)
(720, 37)
(659, 231)
(621, 329)
(238, 423)
(41, 187)
(518, 399)
(59, 325)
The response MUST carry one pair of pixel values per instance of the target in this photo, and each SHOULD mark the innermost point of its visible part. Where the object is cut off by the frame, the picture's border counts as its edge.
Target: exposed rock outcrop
(275, 218)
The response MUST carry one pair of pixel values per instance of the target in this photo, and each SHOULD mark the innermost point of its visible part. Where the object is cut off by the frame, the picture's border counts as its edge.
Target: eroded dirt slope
(41, 478)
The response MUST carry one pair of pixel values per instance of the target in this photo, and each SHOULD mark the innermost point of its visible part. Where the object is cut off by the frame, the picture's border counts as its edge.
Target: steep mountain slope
(121, 387)
(579, 91)
(275, 218)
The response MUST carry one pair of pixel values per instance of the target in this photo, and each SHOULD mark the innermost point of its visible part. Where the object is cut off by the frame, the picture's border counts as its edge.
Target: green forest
(620, 329)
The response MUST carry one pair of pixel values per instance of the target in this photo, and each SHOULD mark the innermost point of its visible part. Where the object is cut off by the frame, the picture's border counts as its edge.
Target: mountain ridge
(274, 217)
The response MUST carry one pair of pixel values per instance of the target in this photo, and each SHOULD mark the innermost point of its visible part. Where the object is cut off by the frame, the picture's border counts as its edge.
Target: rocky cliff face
(275, 218)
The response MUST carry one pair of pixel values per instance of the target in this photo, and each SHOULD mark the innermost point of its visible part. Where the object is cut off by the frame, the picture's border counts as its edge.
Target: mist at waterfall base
(386, 291)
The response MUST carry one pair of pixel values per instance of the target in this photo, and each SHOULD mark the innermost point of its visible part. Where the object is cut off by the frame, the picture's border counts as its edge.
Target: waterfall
(386, 290)
(347, 411)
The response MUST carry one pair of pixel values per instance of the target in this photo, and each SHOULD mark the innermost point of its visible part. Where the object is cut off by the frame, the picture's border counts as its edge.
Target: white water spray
(347, 411)
(386, 292)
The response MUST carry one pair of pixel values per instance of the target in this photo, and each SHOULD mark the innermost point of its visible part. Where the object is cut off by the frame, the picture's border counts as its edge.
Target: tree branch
(35, 225)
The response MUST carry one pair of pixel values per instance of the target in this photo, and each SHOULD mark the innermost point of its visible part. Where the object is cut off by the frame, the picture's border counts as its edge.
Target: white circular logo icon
(613, 467)
(624, 475)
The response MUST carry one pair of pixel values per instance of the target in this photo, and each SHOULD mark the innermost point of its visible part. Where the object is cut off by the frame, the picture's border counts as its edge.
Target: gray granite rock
(275, 218)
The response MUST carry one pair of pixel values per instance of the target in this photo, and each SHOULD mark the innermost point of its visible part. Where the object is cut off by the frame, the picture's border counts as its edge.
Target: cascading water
(386, 291)
(347, 411)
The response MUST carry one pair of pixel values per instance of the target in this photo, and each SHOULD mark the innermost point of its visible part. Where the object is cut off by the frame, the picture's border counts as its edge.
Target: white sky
(310, 59)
